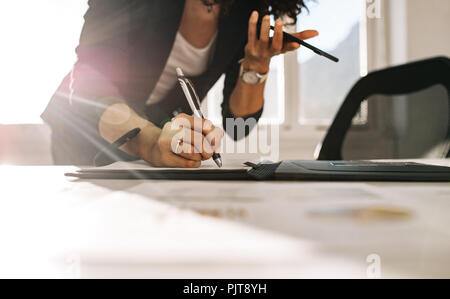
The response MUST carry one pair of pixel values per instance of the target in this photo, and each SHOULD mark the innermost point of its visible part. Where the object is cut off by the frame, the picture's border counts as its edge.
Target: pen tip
(218, 162)
(180, 72)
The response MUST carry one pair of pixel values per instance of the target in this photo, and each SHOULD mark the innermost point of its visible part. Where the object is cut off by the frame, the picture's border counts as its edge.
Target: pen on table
(104, 157)
(290, 38)
(191, 94)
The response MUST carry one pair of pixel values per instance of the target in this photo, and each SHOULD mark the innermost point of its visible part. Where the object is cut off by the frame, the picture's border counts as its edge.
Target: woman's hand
(184, 142)
(260, 50)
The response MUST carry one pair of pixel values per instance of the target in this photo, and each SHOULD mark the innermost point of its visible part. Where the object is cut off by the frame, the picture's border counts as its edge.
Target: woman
(125, 75)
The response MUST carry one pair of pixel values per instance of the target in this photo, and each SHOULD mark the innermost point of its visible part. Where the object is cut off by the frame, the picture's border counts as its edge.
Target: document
(232, 170)
(145, 166)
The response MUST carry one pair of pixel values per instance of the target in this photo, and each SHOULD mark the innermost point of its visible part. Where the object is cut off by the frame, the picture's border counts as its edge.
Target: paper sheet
(206, 165)
(229, 164)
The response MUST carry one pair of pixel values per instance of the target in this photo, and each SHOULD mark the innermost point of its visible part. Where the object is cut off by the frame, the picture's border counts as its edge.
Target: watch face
(250, 77)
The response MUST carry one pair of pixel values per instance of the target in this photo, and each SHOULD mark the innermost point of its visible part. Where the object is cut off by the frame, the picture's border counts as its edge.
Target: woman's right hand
(184, 142)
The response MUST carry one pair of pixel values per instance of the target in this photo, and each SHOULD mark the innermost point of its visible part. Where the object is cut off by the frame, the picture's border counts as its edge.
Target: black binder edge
(263, 172)
(209, 175)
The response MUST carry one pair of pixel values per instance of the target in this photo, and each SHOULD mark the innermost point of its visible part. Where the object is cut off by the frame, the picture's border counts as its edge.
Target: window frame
(312, 135)
(292, 127)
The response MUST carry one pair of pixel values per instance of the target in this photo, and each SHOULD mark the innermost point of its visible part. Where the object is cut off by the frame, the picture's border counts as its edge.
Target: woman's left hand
(260, 50)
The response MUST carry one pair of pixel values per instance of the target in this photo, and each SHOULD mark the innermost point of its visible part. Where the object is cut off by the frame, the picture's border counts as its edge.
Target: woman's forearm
(247, 99)
(119, 119)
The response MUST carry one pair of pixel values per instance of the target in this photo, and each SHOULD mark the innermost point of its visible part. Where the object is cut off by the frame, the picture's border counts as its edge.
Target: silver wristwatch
(252, 77)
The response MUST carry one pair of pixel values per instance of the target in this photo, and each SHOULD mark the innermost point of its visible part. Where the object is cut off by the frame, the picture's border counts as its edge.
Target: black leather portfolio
(286, 171)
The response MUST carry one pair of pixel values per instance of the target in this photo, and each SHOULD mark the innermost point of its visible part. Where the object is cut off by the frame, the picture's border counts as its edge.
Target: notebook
(233, 170)
(282, 171)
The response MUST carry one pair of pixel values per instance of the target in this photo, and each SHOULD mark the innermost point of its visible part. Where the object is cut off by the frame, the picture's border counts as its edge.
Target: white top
(193, 61)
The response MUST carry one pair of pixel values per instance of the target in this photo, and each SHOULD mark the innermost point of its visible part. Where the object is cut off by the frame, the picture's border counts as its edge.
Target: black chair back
(404, 79)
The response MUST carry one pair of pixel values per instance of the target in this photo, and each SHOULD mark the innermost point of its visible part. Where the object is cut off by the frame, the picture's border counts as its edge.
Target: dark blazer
(123, 49)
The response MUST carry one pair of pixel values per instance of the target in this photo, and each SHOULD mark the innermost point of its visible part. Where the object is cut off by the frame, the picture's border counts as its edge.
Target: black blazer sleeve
(100, 74)
(237, 132)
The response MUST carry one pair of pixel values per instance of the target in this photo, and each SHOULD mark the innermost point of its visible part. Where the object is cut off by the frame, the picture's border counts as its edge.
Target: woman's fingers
(253, 29)
(213, 134)
(204, 137)
(304, 35)
(265, 32)
(169, 143)
(187, 151)
(174, 160)
(203, 126)
(260, 50)
(200, 144)
(290, 47)
(277, 40)
(307, 34)
(215, 138)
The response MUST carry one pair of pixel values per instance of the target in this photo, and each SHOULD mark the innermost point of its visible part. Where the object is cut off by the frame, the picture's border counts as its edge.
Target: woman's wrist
(142, 145)
(119, 119)
(261, 66)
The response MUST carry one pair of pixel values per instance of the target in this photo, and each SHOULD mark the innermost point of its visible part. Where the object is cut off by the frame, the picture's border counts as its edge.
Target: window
(36, 54)
(323, 84)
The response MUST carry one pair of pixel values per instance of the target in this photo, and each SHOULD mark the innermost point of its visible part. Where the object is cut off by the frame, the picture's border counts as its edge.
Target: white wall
(416, 30)
(25, 145)
(428, 28)
(409, 30)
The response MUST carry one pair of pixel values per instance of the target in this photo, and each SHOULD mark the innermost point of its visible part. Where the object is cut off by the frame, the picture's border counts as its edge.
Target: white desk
(51, 226)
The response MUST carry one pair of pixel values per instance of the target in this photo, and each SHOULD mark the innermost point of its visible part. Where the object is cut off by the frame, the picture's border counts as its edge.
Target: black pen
(194, 103)
(103, 157)
(290, 38)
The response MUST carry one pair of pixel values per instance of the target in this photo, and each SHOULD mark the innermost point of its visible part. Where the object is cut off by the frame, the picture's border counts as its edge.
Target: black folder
(287, 171)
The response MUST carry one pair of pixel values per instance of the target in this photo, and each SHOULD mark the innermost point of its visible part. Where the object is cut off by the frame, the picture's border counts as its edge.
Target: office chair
(399, 80)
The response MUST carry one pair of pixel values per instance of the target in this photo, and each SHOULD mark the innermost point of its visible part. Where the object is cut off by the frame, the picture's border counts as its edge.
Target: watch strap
(263, 77)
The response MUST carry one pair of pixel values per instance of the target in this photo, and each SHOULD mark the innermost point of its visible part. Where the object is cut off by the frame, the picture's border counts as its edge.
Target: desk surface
(56, 226)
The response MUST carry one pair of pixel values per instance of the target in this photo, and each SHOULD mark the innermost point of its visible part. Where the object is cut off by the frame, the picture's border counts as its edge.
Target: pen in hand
(290, 38)
(191, 94)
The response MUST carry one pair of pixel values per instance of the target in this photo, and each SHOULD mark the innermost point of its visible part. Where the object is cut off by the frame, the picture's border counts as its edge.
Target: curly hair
(277, 8)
